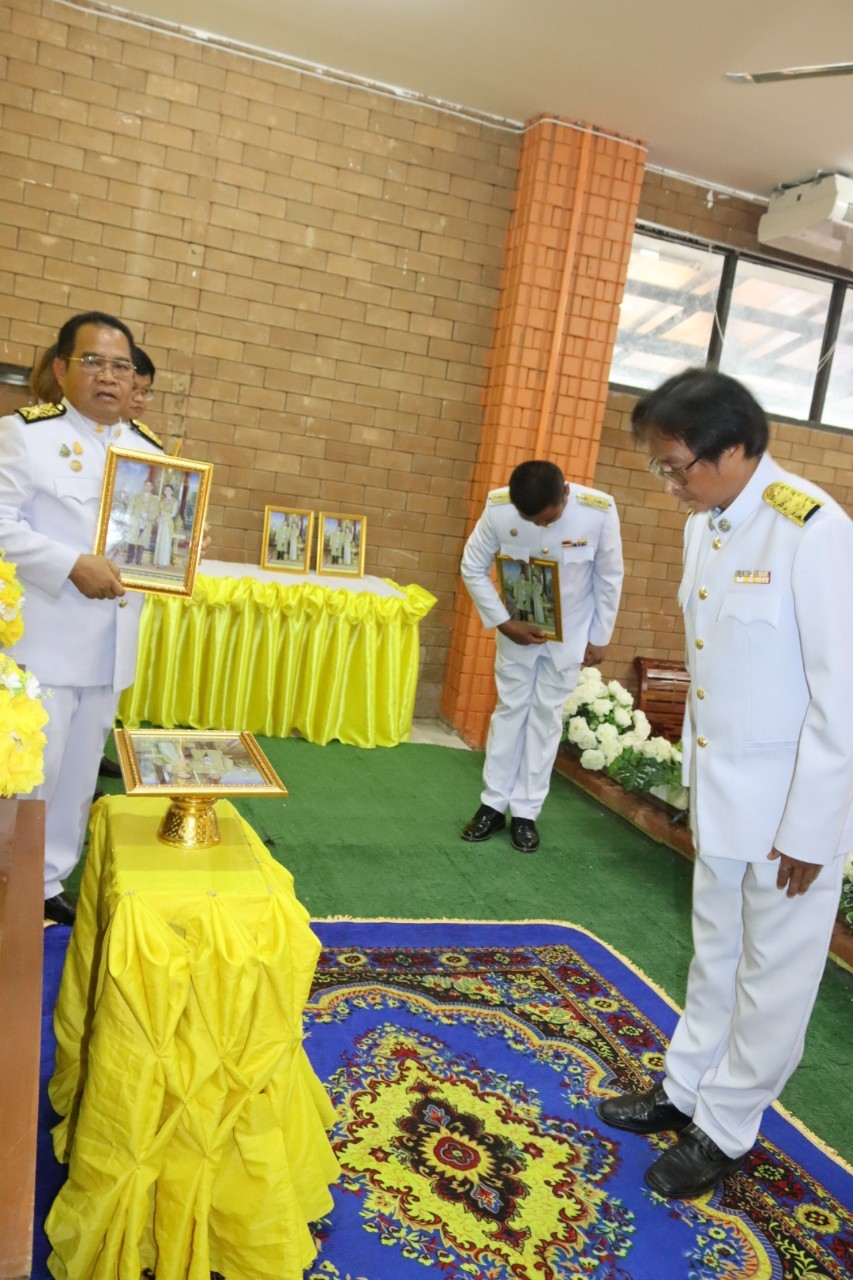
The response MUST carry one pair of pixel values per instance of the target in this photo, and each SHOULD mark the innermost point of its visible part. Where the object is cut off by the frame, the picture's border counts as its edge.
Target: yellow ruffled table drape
(193, 1124)
(268, 659)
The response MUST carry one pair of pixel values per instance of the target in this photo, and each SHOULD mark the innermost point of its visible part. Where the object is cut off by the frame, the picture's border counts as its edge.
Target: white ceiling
(652, 70)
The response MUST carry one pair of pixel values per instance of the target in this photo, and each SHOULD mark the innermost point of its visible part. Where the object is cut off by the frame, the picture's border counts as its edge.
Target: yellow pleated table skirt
(268, 659)
(193, 1124)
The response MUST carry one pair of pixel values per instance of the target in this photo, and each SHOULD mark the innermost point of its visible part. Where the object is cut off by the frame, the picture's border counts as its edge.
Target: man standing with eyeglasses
(80, 626)
(768, 757)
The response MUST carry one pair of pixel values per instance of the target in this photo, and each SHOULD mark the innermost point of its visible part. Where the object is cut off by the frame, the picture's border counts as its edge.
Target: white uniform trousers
(80, 723)
(524, 732)
(758, 960)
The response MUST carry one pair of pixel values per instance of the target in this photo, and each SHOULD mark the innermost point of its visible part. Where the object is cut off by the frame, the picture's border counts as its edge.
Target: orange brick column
(566, 259)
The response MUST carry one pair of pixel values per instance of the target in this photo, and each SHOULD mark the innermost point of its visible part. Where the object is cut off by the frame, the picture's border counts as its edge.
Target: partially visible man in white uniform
(539, 516)
(80, 627)
(768, 757)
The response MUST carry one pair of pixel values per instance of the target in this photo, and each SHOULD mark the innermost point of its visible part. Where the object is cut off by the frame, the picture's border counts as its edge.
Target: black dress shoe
(485, 822)
(523, 835)
(649, 1112)
(107, 769)
(693, 1166)
(60, 909)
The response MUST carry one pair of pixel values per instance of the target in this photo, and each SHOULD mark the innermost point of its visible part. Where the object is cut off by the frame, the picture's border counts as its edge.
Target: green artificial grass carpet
(376, 833)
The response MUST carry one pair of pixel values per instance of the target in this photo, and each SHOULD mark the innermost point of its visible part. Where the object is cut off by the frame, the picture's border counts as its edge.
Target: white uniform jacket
(586, 546)
(768, 614)
(48, 517)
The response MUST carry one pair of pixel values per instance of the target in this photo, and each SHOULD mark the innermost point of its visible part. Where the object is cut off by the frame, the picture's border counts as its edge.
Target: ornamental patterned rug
(465, 1061)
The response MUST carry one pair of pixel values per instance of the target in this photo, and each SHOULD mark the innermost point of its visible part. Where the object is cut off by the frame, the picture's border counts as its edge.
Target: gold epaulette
(791, 503)
(38, 412)
(498, 496)
(598, 500)
(147, 433)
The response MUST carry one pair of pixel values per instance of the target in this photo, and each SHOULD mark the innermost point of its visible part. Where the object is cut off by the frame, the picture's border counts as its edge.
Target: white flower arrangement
(613, 735)
(601, 721)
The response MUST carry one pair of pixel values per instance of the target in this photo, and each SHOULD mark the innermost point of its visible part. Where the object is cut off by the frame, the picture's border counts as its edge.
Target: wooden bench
(662, 694)
(21, 940)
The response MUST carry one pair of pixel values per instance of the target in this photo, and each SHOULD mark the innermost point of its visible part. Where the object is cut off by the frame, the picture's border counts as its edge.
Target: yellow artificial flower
(22, 742)
(11, 599)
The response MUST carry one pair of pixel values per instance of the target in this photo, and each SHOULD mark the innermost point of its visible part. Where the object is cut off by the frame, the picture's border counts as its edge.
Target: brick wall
(652, 520)
(312, 266)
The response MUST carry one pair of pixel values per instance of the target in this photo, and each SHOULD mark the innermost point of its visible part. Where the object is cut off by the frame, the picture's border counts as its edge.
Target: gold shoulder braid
(498, 496)
(597, 500)
(791, 503)
(147, 433)
(38, 412)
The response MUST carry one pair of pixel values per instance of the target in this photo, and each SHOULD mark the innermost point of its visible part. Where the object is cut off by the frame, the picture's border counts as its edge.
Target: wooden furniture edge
(21, 958)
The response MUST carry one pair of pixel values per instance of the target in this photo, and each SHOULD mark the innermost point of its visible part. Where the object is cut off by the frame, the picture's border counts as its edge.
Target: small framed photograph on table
(341, 544)
(531, 592)
(151, 519)
(286, 546)
(194, 762)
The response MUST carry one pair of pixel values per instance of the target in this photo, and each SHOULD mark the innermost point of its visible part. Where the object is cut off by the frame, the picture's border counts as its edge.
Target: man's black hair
(68, 332)
(705, 409)
(142, 363)
(535, 485)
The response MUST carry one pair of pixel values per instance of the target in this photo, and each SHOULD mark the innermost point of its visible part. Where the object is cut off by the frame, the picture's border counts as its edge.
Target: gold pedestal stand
(190, 823)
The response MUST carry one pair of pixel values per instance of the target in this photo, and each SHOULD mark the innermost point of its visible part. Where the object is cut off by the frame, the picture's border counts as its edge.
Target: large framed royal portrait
(286, 544)
(341, 544)
(189, 762)
(530, 589)
(151, 519)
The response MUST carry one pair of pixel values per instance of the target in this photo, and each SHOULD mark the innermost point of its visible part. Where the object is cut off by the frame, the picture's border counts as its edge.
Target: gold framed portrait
(530, 589)
(286, 545)
(176, 762)
(151, 519)
(341, 543)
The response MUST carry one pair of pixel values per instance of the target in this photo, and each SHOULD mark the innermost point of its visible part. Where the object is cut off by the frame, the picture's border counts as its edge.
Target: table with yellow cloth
(193, 1124)
(269, 653)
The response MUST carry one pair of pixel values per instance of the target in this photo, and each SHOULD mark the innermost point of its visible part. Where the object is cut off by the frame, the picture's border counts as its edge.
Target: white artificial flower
(601, 707)
(620, 693)
(570, 706)
(580, 733)
(32, 688)
(848, 864)
(593, 760)
(605, 731)
(623, 717)
(591, 673)
(10, 681)
(611, 748)
(642, 728)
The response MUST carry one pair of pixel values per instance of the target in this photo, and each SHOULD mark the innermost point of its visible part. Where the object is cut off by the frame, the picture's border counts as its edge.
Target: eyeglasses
(100, 364)
(676, 475)
(146, 393)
